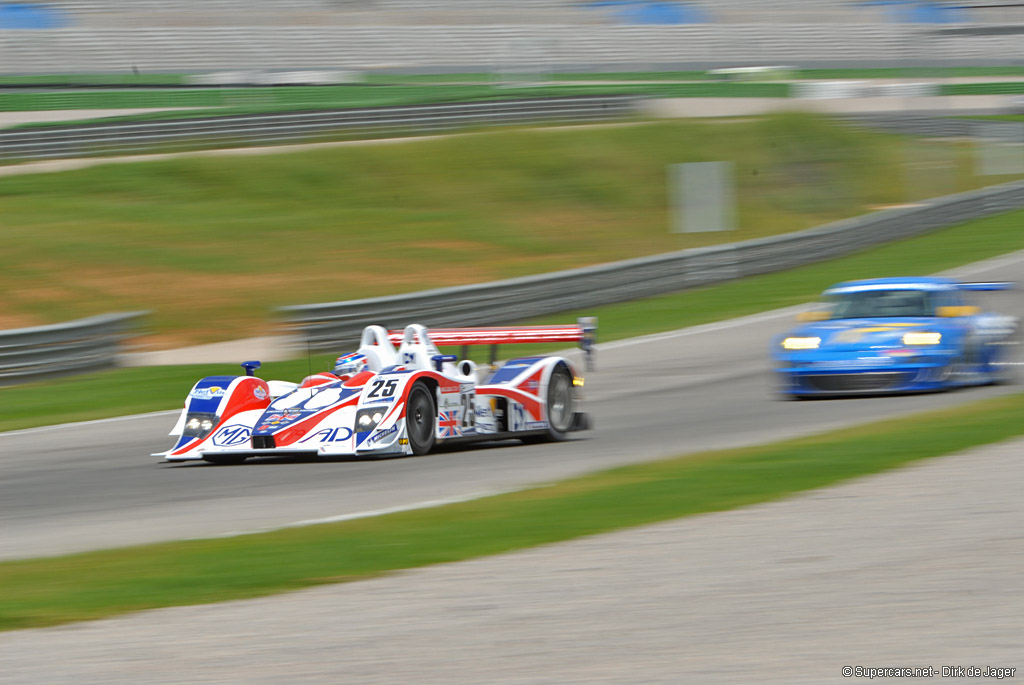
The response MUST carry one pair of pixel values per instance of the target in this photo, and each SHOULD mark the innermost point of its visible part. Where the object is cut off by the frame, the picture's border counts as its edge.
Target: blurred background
(187, 184)
(579, 119)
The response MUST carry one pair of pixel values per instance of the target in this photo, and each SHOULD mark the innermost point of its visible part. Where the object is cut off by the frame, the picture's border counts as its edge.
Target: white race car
(383, 401)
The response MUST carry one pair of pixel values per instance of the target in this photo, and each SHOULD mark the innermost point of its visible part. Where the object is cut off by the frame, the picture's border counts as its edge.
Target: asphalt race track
(918, 567)
(94, 485)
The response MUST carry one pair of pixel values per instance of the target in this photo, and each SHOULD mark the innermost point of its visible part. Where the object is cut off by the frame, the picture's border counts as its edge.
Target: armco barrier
(76, 346)
(338, 324)
(269, 129)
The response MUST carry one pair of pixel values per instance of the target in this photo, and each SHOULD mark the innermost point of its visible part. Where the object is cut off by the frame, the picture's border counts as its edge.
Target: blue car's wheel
(1002, 363)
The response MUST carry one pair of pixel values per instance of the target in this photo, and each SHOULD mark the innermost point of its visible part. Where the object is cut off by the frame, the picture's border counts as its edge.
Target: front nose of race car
(305, 431)
(849, 361)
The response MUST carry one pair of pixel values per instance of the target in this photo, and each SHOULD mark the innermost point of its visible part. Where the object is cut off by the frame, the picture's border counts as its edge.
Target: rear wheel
(561, 403)
(1002, 366)
(420, 416)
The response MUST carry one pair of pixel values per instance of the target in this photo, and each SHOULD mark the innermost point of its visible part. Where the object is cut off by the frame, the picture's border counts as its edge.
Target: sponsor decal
(379, 400)
(208, 393)
(260, 392)
(329, 435)
(381, 434)
(283, 416)
(536, 425)
(449, 387)
(403, 441)
(448, 424)
(228, 436)
(281, 419)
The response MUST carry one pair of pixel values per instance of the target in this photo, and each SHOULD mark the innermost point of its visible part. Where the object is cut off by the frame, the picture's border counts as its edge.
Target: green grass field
(132, 391)
(213, 244)
(105, 583)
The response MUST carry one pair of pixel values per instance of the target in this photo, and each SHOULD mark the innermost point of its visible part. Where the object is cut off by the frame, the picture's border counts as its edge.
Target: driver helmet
(349, 364)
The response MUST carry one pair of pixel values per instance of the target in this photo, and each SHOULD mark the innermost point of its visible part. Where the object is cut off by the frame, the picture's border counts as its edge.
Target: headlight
(199, 424)
(919, 338)
(367, 419)
(801, 343)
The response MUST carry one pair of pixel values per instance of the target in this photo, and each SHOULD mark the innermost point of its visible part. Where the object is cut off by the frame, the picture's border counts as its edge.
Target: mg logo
(231, 435)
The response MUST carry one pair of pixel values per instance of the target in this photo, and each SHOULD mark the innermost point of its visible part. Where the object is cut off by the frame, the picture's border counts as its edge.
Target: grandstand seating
(212, 35)
(110, 13)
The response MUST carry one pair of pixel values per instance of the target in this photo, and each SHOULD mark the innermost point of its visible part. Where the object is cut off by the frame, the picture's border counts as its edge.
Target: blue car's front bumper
(802, 374)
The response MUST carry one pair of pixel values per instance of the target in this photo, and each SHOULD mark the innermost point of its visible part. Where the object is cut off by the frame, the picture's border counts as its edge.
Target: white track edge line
(428, 504)
(112, 419)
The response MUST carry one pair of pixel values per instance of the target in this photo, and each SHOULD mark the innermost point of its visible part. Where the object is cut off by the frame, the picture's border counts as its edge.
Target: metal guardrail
(76, 346)
(338, 324)
(266, 129)
(925, 125)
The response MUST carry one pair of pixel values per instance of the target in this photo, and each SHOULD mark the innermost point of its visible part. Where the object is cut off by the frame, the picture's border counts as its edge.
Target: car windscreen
(865, 304)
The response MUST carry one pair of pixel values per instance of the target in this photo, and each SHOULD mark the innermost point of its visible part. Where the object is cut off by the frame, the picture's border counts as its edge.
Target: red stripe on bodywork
(298, 430)
(529, 402)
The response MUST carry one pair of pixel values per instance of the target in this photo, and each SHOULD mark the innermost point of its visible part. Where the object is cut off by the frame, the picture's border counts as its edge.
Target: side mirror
(953, 312)
(250, 367)
(812, 316)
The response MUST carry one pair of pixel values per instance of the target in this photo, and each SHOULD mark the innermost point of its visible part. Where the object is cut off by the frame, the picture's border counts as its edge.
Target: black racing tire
(561, 403)
(421, 419)
(225, 459)
(1006, 371)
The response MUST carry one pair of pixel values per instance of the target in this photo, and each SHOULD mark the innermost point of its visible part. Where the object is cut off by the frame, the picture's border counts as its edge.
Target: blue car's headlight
(801, 343)
(922, 338)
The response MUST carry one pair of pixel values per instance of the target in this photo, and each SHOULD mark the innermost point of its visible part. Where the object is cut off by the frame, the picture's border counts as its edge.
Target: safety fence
(268, 129)
(93, 343)
(76, 346)
(337, 324)
(924, 125)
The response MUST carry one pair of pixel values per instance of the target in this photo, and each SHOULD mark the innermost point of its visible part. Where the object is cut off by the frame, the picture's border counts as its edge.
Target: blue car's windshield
(864, 304)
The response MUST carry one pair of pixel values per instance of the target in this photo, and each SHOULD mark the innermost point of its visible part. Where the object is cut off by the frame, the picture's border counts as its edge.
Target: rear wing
(983, 287)
(583, 332)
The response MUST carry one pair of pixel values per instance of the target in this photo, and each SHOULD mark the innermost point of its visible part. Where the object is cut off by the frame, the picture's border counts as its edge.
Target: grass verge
(50, 591)
(130, 391)
(211, 243)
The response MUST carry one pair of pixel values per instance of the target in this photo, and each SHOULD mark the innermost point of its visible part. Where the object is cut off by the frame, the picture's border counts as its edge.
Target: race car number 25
(383, 387)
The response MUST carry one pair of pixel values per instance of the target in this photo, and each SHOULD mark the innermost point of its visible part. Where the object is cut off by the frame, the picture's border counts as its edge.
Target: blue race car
(892, 335)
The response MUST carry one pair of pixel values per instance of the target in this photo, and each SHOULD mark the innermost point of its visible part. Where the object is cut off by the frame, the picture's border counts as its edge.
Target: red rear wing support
(583, 332)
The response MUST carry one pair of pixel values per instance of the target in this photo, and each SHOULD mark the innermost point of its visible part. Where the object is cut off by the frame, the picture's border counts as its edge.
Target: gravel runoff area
(51, 116)
(919, 567)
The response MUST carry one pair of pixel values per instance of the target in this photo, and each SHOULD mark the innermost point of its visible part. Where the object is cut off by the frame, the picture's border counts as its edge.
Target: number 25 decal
(383, 388)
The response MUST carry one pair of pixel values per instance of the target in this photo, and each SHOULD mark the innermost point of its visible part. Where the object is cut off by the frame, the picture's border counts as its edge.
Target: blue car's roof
(899, 283)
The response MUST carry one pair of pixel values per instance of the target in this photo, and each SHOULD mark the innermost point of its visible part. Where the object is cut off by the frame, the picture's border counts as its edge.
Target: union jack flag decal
(448, 424)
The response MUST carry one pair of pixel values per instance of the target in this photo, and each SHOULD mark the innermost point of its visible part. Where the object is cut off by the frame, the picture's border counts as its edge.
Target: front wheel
(420, 416)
